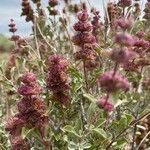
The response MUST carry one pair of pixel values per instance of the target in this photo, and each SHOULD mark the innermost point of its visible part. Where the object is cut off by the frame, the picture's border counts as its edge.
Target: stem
(83, 116)
(134, 133)
(85, 75)
(134, 122)
(143, 140)
(37, 45)
(115, 69)
(47, 42)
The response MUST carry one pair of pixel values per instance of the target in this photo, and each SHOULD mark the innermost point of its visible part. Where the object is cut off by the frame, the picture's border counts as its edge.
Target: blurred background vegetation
(5, 46)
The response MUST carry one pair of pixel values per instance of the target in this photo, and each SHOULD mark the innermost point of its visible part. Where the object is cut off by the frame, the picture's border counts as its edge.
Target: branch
(134, 122)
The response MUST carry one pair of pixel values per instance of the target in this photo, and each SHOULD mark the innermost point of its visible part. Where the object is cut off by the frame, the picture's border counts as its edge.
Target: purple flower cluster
(57, 79)
(12, 26)
(29, 86)
(53, 3)
(105, 104)
(96, 21)
(13, 29)
(112, 83)
(124, 39)
(147, 11)
(27, 10)
(124, 23)
(125, 3)
(84, 38)
(31, 111)
(122, 55)
(19, 144)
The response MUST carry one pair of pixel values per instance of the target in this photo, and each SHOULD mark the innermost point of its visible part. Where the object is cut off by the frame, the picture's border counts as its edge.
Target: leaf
(89, 97)
(122, 123)
(100, 132)
(86, 145)
(70, 129)
(72, 146)
(25, 132)
(119, 144)
(100, 122)
(129, 118)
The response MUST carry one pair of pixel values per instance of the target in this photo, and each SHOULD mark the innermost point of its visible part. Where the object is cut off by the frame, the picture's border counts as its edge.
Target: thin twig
(128, 127)
(143, 140)
(52, 47)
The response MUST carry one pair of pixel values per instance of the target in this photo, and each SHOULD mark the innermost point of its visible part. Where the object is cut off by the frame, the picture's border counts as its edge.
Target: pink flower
(124, 39)
(27, 90)
(140, 34)
(85, 54)
(19, 144)
(83, 16)
(59, 61)
(122, 55)
(105, 104)
(57, 78)
(124, 23)
(126, 2)
(83, 26)
(53, 3)
(95, 22)
(28, 78)
(141, 43)
(84, 38)
(14, 125)
(112, 83)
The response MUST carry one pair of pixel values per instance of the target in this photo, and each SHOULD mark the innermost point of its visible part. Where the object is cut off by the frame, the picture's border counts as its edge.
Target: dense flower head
(112, 83)
(61, 97)
(58, 61)
(124, 23)
(122, 55)
(53, 3)
(29, 86)
(83, 16)
(131, 67)
(83, 26)
(81, 39)
(140, 34)
(14, 125)
(32, 110)
(124, 39)
(85, 39)
(85, 54)
(141, 43)
(57, 78)
(27, 90)
(126, 2)
(15, 38)
(19, 144)
(36, 1)
(35, 119)
(105, 104)
(12, 26)
(90, 64)
(95, 22)
(27, 10)
(29, 104)
(28, 78)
